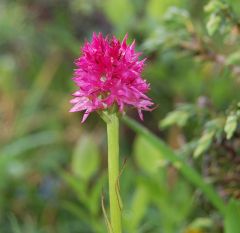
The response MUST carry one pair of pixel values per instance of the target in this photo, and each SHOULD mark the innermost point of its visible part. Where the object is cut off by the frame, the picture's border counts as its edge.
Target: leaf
(180, 116)
(231, 221)
(85, 159)
(167, 201)
(176, 117)
(233, 58)
(176, 14)
(204, 143)
(231, 125)
(95, 195)
(79, 187)
(213, 24)
(201, 223)
(156, 39)
(30, 142)
(14, 224)
(187, 171)
(76, 210)
(214, 5)
(148, 158)
(138, 209)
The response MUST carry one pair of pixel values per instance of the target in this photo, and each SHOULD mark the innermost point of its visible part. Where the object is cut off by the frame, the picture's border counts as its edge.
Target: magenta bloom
(108, 73)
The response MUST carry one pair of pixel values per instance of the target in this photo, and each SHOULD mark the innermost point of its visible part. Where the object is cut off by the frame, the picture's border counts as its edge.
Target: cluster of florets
(109, 73)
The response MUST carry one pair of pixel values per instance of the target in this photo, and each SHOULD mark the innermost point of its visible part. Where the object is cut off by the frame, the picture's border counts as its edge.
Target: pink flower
(109, 73)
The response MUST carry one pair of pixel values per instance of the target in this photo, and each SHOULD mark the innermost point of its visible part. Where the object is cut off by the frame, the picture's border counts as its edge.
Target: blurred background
(53, 168)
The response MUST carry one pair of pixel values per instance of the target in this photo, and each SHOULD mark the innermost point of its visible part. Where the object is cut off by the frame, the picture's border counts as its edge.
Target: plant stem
(113, 172)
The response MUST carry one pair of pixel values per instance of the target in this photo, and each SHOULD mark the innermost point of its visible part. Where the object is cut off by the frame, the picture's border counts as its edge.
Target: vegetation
(180, 166)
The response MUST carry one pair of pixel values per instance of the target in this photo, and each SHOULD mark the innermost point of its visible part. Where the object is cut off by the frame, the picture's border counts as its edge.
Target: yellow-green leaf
(230, 126)
(85, 159)
(213, 24)
(147, 156)
(204, 143)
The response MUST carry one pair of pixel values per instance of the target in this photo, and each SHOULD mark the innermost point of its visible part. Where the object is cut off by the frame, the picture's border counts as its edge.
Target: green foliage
(214, 8)
(234, 58)
(232, 224)
(213, 129)
(139, 207)
(201, 223)
(204, 143)
(52, 167)
(156, 9)
(186, 170)
(220, 16)
(142, 150)
(116, 17)
(89, 204)
(213, 24)
(152, 189)
(180, 116)
(232, 123)
(85, 160)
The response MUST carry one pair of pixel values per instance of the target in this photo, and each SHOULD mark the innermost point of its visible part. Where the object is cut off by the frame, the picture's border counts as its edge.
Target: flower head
(109, 73)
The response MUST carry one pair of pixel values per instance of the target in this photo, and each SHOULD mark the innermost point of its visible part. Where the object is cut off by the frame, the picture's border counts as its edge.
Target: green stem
(113, 171)
(190, 173)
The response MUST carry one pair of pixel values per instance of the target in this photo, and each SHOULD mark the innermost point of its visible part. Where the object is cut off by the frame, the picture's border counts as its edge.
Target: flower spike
(109, 74)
